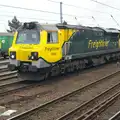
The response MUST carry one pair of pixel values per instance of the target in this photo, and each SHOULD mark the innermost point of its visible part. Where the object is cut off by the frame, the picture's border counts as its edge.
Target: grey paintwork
(39, 63)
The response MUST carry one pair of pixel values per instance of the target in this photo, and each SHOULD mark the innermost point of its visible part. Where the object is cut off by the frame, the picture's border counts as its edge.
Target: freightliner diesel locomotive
(39, 50)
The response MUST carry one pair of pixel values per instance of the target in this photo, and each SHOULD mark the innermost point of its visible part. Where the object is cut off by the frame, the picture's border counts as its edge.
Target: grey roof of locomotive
(108, 30)
(55, 27)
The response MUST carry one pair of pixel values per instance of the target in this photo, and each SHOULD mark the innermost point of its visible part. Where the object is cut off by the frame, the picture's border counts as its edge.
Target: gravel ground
(54, 89)
(55, 111)
(12, 86)
(56, 85)
(110, 111)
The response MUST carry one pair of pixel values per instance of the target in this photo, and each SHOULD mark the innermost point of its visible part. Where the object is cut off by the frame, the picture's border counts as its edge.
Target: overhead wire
(110, 7)
(105, 4)
(91, 9)
(79, 7)
(28, 17)
(64, 4)
(37, 10)
(57, 13)
(46, 20)
(28, 9)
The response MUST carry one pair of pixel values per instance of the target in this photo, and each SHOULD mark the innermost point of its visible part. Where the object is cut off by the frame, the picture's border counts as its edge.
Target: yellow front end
(40, 54)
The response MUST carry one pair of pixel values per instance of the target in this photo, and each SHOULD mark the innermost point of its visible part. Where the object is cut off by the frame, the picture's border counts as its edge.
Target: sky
(80, 12)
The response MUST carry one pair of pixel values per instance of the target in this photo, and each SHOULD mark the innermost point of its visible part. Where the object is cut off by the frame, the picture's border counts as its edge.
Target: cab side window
(52, 37)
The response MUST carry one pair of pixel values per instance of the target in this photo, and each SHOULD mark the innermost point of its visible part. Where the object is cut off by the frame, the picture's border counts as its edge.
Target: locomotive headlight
(13, 55)
(34, 55)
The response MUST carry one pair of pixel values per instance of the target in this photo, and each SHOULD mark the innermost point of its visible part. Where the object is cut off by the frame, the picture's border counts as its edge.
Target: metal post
(61, 12)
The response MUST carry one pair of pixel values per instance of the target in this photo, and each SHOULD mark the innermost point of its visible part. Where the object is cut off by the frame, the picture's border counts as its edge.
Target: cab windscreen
(28, 37)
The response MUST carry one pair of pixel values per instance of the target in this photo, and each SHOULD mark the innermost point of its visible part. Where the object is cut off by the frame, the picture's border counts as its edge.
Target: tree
(14, 24)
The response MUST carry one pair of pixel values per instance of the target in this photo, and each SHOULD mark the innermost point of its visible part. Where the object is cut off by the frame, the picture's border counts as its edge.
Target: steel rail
(92, 113)
(76, 112)
(116, 116)
(31, 111)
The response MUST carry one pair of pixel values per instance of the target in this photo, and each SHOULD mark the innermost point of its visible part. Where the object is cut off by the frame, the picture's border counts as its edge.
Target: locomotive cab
(35, 47)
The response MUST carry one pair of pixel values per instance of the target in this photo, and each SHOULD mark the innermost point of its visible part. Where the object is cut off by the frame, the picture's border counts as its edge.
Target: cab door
(53, 49)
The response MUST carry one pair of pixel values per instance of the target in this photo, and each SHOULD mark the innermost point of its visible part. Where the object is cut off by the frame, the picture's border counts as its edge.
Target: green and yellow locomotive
(39, 50)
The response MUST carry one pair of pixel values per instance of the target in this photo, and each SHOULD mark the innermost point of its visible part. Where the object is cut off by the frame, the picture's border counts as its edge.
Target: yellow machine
(42, 43)
(40, 50)
(37, 47)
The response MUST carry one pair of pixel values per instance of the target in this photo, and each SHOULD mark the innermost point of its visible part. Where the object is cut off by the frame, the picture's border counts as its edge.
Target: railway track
(116, 116)
(3, 65)
(7, 79)
(96, 110)
(3, 68)
(38, 89)
(9, 83)
(4, 62)
(1, 58)
(5, 76)
(71, 98)
(14, 87)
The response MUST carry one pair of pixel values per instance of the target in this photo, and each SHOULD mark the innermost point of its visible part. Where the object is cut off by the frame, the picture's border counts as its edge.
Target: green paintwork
(91, 42)
(5, 42)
